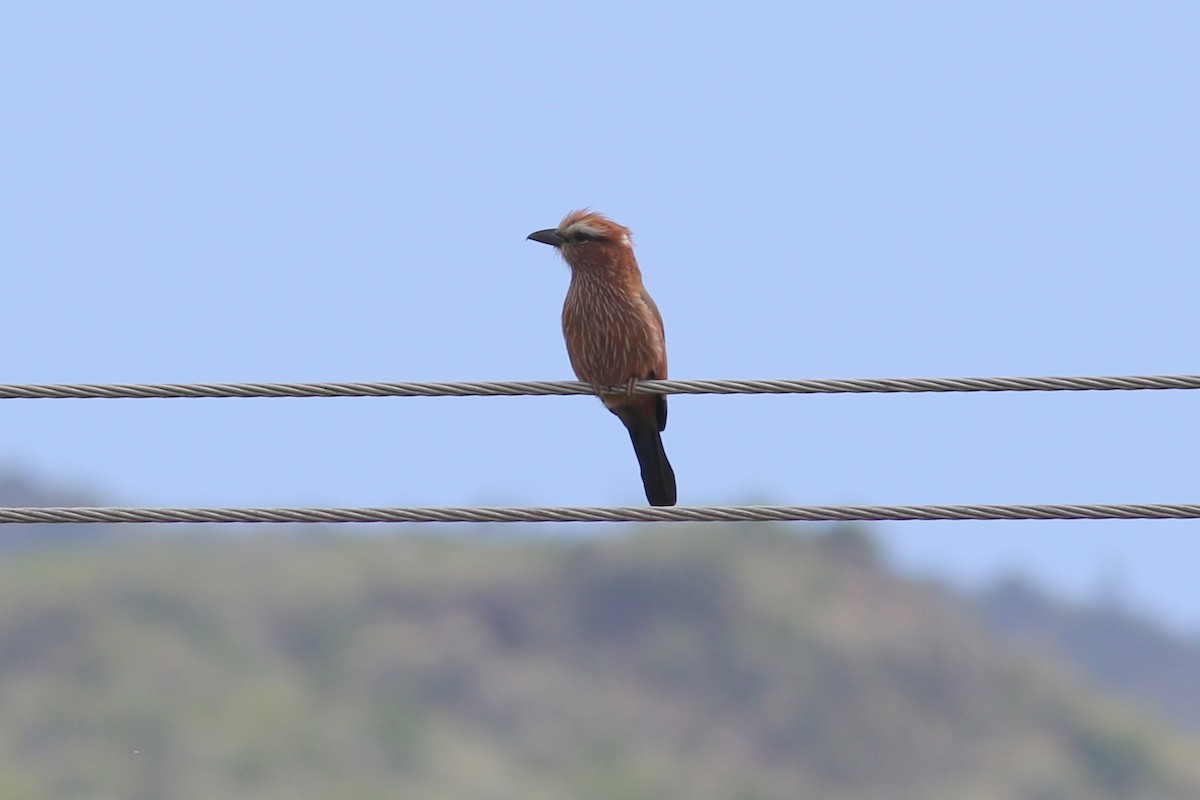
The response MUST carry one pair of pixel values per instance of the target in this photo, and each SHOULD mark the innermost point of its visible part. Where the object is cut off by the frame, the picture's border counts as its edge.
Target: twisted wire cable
(499, 514)
(58, 391)
(596, 514)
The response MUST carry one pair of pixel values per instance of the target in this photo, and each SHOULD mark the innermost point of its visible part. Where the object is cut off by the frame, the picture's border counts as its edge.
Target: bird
(614, 335)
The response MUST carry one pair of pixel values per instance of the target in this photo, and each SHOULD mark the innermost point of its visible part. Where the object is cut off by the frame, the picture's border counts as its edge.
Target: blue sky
(300, 191)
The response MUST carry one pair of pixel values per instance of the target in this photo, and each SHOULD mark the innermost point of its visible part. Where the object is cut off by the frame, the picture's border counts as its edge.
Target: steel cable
(501, 514)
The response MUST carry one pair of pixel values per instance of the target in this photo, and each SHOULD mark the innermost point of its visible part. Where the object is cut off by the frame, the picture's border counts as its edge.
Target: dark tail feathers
(657, 475)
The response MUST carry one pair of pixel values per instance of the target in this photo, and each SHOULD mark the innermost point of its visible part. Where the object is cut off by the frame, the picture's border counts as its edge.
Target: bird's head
(585, 237)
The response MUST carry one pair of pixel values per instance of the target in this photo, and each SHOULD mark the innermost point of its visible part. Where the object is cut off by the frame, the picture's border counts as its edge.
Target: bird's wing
(660, 370)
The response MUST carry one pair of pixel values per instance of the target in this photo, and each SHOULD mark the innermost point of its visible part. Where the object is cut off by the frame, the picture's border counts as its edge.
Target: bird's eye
(581, 236)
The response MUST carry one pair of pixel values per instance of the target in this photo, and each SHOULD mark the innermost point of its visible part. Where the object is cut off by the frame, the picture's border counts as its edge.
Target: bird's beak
(548, 236)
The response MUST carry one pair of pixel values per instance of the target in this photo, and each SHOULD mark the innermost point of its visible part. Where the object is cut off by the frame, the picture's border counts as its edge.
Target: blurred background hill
(704, 662)
(1119, 652)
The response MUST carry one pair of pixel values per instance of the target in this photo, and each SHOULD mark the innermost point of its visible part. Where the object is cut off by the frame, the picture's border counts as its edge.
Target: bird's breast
(611, 334)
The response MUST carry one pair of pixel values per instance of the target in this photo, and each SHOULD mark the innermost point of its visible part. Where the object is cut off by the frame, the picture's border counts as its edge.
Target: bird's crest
(594, 225)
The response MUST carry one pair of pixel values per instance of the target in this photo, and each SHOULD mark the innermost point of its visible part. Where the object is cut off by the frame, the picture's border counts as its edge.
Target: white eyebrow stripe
(582, 227)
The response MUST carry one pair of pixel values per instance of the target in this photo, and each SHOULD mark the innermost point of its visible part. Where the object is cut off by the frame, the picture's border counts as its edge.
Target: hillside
(1121, 654)
(706, 663)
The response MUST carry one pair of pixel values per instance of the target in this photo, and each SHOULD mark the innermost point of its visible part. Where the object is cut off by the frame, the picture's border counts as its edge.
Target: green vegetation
(1118, 651)
(735, 663)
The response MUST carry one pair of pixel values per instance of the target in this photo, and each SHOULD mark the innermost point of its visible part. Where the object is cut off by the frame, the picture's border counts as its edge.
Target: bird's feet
(604, 391)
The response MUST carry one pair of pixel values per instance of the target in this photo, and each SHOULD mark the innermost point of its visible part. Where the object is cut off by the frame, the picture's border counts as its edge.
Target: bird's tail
(657, 475)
